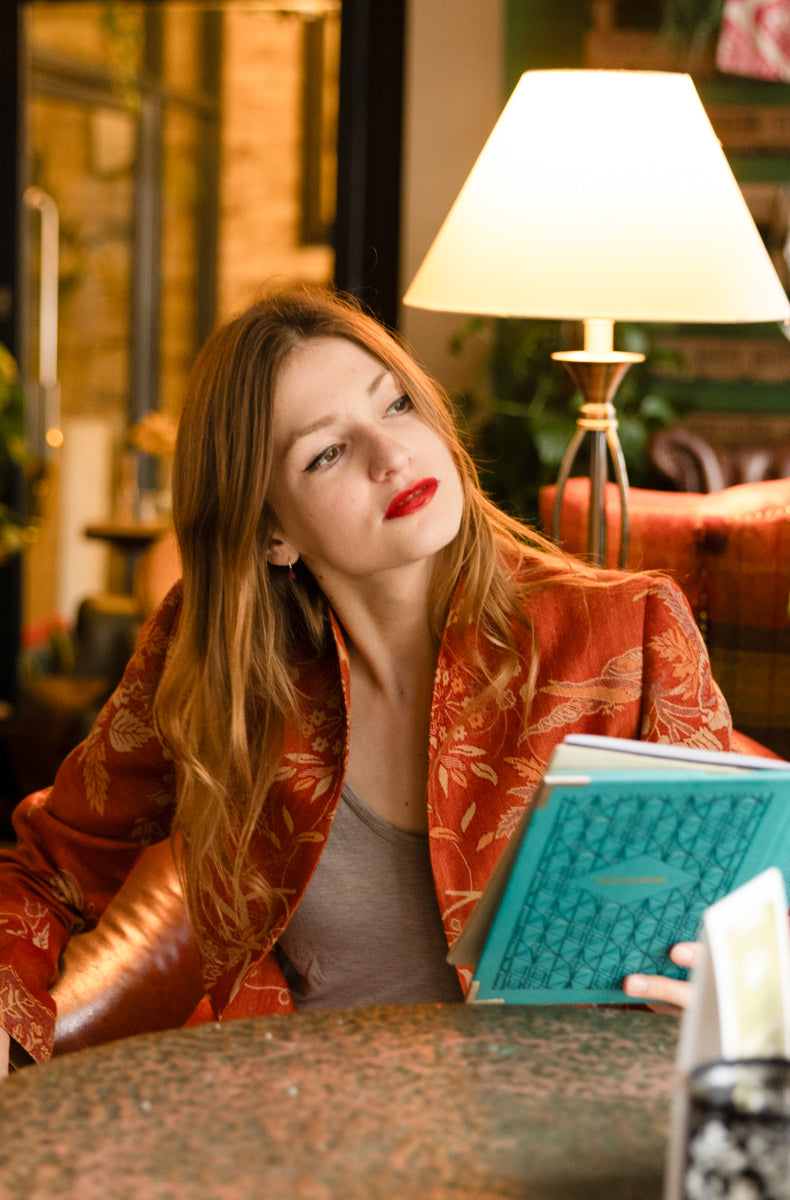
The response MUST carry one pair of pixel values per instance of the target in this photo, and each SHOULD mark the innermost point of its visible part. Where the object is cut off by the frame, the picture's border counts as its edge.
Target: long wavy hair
(227, 688)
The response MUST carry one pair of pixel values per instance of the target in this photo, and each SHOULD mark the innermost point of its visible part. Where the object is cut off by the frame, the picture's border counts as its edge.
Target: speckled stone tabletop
(451, 1102)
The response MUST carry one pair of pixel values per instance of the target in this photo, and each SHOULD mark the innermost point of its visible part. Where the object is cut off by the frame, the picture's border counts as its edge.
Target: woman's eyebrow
(320, 423)
(329, 418)
(377, 382)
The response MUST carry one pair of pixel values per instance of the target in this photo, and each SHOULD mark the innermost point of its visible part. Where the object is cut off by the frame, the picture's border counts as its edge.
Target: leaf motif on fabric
(146, 831)
(508, 822)
(619, 684)
(467, 817)
(531, 769)
(484, 841)
(65, 887)
(289, 821)
(459, 900)
(679, 613)
(485, 772)
(323, 785)
(524, 794)
(675, 648)
(467, 750)
(127, 732)
(26, 1017)
(669, 721)
(303, 758)
(96, 777)
(156, 642)
(40, 938)
(33, 925)
(442, 833)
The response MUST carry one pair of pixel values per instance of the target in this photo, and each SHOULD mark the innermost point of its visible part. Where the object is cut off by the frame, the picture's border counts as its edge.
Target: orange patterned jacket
(624, 660)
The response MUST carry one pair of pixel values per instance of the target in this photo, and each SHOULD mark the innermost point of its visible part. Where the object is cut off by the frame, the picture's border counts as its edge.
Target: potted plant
(15, 458)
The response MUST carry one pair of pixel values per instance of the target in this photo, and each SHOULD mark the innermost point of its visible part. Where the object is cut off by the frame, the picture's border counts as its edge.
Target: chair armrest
(138, 970)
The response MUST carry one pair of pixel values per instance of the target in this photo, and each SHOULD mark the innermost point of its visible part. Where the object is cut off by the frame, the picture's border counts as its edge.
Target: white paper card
(740, 996)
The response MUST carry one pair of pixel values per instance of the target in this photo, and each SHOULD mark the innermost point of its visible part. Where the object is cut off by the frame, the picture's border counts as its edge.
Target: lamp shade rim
(602, 194)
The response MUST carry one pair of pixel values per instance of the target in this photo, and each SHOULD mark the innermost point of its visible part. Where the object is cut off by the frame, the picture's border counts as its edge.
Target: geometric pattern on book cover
(579, 937)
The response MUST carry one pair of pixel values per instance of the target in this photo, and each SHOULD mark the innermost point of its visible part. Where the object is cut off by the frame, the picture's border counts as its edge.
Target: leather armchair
(707, 452)
(138, 970)
(55, 710)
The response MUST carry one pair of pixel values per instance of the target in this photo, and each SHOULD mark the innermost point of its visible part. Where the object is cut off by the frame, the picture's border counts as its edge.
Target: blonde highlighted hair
(227, 691)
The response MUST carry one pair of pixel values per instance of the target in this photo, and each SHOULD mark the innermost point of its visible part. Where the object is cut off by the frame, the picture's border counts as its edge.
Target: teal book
(625, 846)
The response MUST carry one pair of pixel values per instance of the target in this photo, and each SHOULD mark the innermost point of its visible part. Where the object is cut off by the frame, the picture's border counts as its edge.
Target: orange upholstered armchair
(730, 552)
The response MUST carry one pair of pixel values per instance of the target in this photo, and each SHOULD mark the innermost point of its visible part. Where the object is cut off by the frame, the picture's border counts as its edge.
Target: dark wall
(367, 232)
(537, 37)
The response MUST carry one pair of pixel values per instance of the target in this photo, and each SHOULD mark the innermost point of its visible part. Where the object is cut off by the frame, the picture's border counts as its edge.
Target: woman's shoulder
(165, 616)
(159, 629)
(559, 594)
(539, 571)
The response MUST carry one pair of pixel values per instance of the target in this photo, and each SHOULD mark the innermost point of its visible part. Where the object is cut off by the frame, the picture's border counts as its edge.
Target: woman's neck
(388, 630)
(392, 657)
(397, 656)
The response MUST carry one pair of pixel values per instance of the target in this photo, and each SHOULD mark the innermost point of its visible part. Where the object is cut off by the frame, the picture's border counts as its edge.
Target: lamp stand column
(597, 376)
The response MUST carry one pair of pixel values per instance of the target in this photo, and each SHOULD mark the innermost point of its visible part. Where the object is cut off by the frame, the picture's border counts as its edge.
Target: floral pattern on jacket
(624, 659)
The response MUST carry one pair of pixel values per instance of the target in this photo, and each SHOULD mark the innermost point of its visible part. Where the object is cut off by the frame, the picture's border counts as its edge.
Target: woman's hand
(666, 995)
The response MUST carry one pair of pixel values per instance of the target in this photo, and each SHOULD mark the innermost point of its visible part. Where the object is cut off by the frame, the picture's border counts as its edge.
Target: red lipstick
(412, 499)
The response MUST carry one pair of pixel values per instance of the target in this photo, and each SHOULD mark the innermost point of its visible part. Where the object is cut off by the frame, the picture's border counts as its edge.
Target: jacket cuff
(29, 1019)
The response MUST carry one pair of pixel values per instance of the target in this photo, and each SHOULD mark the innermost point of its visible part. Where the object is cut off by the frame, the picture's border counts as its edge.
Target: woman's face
(361, 484)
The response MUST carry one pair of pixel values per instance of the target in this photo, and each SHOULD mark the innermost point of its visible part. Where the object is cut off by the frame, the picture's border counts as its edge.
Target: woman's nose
(387, 455)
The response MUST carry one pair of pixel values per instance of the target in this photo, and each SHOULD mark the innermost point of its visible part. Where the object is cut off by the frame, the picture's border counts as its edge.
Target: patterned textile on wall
(754, 39)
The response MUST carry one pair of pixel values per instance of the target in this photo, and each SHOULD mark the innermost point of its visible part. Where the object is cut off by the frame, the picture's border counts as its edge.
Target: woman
(357, 687)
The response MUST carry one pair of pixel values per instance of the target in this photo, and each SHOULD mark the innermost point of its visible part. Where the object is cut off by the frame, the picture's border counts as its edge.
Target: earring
(291, 572)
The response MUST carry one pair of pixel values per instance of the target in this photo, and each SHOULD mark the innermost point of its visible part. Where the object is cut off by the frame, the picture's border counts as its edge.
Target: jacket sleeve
(78, 840)
(681, 703)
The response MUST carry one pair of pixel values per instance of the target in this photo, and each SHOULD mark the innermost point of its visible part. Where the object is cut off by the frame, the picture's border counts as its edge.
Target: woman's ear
(280, 553)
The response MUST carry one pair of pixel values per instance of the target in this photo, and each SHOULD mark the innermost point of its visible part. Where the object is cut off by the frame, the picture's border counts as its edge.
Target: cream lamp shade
(602, 195)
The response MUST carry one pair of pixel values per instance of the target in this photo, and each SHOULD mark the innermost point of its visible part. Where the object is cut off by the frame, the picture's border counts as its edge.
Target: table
(129, 539)
(440, 1102)
(128, 535)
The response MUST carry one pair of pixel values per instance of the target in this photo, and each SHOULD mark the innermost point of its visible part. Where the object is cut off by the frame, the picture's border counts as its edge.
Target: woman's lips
(412, 499)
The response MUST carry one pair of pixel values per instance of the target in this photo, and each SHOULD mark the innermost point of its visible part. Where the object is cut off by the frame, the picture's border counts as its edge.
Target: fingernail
(636, 985)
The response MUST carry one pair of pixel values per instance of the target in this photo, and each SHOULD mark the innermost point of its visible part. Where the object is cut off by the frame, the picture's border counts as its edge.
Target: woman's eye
(402, 404)
(325, 458)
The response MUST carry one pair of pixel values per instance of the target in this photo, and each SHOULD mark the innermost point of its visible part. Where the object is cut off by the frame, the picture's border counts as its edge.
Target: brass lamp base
(597, 376)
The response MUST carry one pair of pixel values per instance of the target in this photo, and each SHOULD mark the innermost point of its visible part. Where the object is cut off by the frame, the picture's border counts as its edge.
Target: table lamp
(601, 196)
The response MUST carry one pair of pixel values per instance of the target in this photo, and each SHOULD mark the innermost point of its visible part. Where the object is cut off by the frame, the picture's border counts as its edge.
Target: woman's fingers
(664, 994)
(4, 1044)
(685, 954)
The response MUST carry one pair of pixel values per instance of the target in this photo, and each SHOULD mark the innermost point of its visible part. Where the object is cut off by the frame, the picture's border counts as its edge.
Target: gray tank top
(368, 929)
